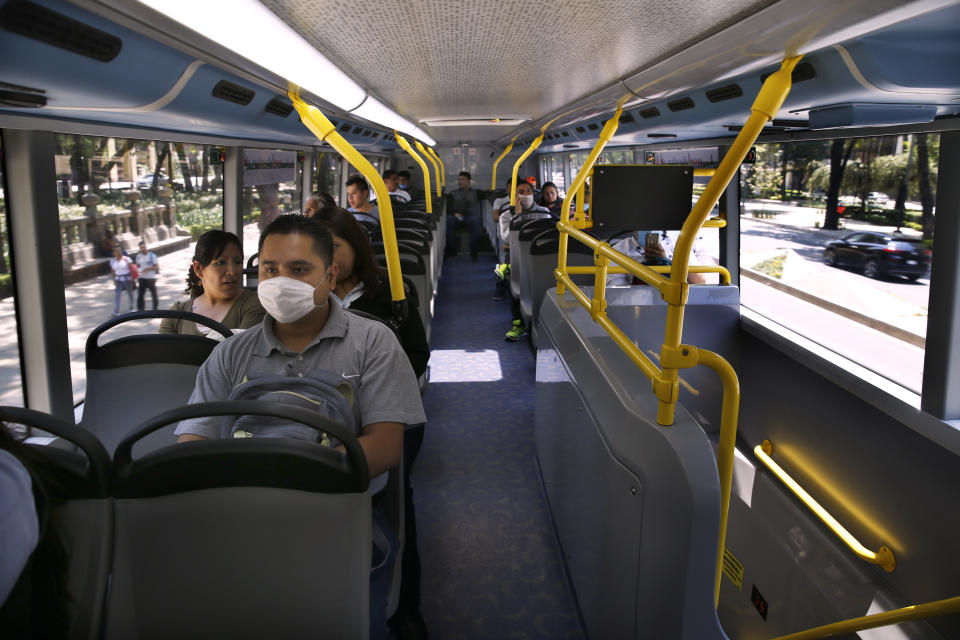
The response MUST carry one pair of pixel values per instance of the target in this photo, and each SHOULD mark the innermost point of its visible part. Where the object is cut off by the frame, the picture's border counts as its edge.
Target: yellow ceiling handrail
(493, 180)
(436, 168)
(914, 612)
(884, 557)
(423, 167)
(320, 125)
(443, 169)
(516, 167)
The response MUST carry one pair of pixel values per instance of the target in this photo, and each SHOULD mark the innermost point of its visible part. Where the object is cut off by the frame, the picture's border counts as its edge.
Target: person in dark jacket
(363, 285)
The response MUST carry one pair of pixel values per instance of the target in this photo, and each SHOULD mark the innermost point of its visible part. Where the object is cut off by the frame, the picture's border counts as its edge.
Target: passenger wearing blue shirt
(358, 197)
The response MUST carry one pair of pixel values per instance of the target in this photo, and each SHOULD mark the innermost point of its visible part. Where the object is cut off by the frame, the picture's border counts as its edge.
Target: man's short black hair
(465, 174)
(389, 173)
(404, 174)
(359, 181)
(296, 223)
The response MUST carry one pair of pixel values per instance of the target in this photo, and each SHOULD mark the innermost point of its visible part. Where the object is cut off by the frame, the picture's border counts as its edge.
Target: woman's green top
(246, 312)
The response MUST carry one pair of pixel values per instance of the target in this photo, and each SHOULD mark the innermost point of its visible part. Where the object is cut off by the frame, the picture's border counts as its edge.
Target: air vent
(801, 73)
(581, 130)
(279, 107)
(345, 127)
(30, 20)
(566, 134)
(375, 135)
(233, 93)
(367, 132)
(22, 99)
(358, 130)
(728, 92)
(334, 123)
(661, 135)
(593, 127)
(626, 118)
(569, 146)
(680, 105)
(652, 112)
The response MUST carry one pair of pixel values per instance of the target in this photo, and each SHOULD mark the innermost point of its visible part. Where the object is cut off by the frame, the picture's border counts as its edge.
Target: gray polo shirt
(365, 352)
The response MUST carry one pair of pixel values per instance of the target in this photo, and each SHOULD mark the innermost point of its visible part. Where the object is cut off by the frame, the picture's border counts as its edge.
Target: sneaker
(518, 330)
(502, 271)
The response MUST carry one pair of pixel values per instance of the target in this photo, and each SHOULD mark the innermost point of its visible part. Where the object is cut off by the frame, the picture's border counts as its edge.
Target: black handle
(97, 456)
(94, 336)
(123, 456)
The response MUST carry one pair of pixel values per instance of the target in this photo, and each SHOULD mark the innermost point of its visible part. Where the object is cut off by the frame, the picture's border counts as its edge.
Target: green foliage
(764, 179)
(199, 220)
(772, 267)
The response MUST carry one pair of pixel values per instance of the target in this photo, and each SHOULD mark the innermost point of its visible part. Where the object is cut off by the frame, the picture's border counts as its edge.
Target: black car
(880, 254)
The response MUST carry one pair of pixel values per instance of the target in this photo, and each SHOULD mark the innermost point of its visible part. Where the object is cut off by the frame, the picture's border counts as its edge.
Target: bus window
(11, 387)
(117, 192)
(836, 244)
(616, 156)
(551, 170)
(271, 187)
(327, 178)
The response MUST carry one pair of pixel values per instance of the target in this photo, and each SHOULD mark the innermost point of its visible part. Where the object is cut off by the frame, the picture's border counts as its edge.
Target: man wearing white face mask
(306, 329)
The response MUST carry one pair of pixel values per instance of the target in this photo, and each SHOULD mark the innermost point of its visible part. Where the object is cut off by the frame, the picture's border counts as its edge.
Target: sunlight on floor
(457, 365)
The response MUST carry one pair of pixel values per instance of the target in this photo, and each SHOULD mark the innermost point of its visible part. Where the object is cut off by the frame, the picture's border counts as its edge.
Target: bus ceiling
(689, 70)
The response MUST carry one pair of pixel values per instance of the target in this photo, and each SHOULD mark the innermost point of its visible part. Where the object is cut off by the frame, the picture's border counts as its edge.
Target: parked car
(878, 199)
(880, 254)
(146, 181)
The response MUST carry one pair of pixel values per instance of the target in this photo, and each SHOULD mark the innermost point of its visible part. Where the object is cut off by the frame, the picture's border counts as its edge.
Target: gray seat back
(539, 278)
(136, 377)
(241, 538)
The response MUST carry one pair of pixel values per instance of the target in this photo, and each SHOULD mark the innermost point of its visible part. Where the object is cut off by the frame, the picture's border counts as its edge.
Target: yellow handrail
(436, 167)
(914, 612)
(884, 557)
(516, 167)
(423, 167)
(493, 180)
(443, 169)
(612, 269)
(321, 127)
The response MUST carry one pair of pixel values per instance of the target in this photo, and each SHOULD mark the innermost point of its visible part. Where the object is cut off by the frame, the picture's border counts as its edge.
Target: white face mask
(526, 201)
(287, 300)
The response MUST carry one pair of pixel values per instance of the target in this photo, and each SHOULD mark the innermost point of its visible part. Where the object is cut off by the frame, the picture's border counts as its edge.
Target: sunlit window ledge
(896, 401)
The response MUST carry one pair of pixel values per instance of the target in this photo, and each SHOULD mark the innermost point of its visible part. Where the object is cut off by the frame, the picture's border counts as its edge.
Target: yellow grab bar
(914, 612)
(516, 167)
(700, 173)
(423, 167)
(612, 269)
(321, 127)
(443, 169)
(493, 180)
(884, 557)
(436, 168)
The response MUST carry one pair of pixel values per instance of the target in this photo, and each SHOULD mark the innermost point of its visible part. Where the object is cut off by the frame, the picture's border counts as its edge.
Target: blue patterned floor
(491, 564)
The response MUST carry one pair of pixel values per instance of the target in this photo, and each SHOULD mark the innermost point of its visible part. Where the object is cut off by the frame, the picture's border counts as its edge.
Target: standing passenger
(463, 209)
(149, 267)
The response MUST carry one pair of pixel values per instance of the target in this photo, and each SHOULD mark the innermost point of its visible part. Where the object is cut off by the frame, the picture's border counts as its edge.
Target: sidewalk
(89, 304)
(811, 219)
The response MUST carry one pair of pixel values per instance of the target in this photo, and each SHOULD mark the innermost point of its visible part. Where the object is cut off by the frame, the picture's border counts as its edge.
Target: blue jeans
(119, 287)
(473, 225)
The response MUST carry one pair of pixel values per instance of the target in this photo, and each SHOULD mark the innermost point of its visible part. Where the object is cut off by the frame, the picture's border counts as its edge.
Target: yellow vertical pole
(493, 180)
(436, 168)
(516, 167)
(423, 167)
(321, 127)
(443, 168)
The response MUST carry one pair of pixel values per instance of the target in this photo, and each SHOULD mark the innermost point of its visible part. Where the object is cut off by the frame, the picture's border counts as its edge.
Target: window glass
(11, 386)
(866, 302)
(328, 174)
(616, 156)
(271, 188)
(115, 191)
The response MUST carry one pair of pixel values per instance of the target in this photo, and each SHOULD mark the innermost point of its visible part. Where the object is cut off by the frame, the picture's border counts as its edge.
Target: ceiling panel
(433, 59)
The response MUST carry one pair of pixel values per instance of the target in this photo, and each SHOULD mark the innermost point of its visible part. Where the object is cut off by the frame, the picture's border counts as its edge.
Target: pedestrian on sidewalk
(149, 267)
(122, 277)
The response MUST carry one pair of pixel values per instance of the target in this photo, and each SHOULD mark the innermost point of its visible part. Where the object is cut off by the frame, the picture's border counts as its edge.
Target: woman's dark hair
(209, 247)
(341, 223)
(543, 189)
(326, 200)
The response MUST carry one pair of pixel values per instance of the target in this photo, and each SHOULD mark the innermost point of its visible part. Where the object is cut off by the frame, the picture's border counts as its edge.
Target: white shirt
(633, 249)
(144, 260)
(400, 193)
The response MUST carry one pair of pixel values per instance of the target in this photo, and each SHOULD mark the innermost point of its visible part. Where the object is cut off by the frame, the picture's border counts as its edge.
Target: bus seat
(136, 377)
(233, 537)
(516, 257)
(643, 563)
(538, 276)
(414, 269)
(81, 509)
(251, 274)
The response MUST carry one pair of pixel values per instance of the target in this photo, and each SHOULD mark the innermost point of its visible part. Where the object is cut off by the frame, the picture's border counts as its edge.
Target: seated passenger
(550, 198)
(392, 180)
(307, 330)
(215, 287)
(463, 209)
(500, 203)
(635, 246)
(403, 180)
(363, 285)
(526, 207)
(358, 197)
(316, 202)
